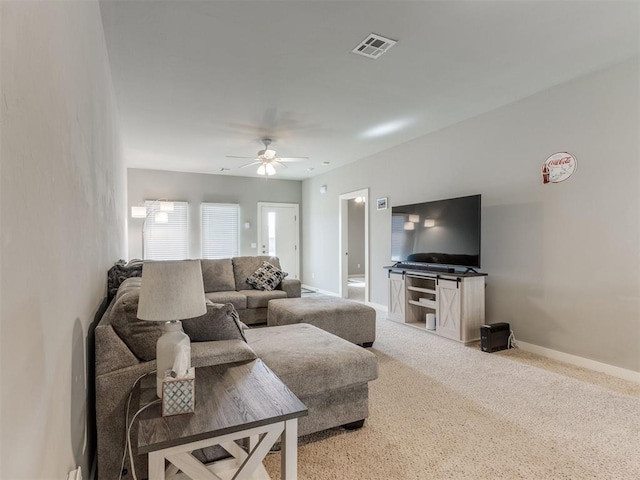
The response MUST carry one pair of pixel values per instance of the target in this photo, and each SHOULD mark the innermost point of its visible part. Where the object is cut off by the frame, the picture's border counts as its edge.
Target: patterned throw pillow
(267, 277)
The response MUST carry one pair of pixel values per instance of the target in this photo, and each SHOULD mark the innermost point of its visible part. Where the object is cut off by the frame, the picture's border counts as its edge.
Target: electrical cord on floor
(133, 419)
(511, 342)
(128, 426)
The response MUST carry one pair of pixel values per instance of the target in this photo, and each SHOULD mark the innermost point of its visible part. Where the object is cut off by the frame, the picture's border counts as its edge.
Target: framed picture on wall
(382, 203)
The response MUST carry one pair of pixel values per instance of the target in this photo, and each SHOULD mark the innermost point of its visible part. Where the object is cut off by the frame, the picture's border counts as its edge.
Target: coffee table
(233, 402)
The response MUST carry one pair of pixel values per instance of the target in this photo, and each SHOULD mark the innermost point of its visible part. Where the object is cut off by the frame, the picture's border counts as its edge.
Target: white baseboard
(378, 306)
(612, 370)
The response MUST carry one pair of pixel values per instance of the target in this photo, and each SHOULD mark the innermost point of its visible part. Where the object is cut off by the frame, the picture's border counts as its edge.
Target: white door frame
(344, 242)
(296, 208)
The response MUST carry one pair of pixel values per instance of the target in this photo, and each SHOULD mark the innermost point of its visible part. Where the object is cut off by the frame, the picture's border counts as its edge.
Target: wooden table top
(229, 398)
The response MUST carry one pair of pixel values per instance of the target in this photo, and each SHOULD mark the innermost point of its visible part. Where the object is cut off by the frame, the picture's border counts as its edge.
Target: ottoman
(328, 374)
(347, 319)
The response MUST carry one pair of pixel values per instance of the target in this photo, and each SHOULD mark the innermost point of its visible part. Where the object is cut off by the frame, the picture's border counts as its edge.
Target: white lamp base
(166, 348)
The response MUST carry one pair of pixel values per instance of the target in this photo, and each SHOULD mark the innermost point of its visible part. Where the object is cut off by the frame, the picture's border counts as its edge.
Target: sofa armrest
(112, 392)
(292, 287)
(112, 354)
(205, 354)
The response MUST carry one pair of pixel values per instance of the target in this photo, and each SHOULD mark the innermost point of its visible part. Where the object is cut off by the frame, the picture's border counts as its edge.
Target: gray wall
(356, 237)
(196, 188)
(62, 227)
(562, 259)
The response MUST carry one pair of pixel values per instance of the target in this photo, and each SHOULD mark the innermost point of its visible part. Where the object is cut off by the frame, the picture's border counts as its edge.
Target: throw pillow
(221, 322)
(267, 277)
(139, 335)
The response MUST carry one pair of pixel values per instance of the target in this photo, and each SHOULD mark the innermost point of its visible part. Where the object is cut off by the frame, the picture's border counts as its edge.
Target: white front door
(279, 235)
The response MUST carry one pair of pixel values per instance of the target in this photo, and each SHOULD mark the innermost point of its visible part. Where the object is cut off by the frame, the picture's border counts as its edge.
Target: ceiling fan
(267, 161)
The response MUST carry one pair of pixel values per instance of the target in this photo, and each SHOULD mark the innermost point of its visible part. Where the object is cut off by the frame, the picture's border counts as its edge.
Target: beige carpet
(440, 410)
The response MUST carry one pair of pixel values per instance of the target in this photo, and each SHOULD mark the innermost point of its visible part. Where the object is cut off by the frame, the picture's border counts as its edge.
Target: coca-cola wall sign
(558, 167)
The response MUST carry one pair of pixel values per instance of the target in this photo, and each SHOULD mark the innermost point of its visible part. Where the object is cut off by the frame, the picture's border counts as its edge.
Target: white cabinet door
(396, 297)
(448, 319)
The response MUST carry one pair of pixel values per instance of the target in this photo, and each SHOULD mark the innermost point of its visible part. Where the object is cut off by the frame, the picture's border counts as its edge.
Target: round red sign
(558, 167)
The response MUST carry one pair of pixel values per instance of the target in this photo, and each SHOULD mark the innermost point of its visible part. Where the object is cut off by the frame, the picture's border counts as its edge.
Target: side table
(233, 402)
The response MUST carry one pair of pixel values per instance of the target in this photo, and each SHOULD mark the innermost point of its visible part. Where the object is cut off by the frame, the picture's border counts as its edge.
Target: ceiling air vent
(373, 46)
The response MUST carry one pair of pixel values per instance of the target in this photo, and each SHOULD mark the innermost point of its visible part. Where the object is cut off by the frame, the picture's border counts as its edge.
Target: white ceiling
(198, 80)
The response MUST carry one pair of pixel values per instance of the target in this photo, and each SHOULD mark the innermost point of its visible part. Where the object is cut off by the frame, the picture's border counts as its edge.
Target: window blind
(166, 233)
(220, 227)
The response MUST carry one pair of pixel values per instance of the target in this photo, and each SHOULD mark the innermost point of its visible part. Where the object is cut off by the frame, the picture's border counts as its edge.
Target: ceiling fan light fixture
(266, 169)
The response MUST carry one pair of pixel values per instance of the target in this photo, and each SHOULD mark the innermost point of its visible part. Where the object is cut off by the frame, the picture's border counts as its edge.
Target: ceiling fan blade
(236, 156)
(292, 159)
(257, 162)
(277, 162)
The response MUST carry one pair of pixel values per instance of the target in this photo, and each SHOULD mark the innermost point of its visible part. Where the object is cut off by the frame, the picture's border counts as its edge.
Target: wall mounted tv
(442, 232)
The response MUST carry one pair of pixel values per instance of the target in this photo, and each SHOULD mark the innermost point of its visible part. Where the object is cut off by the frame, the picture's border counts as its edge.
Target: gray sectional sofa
(329, 374)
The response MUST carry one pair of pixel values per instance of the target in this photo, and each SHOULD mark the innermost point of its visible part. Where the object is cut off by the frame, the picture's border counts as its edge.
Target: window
(166, 231)
(220, 224)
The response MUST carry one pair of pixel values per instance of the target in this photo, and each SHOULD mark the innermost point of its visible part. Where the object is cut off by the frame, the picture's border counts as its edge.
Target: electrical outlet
(313, 276)
(358, 265)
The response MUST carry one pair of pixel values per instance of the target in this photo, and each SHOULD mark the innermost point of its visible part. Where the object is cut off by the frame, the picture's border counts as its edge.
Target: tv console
(455, 298)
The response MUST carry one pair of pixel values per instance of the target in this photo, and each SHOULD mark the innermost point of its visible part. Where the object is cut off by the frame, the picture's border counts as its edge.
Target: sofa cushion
(267, 277)
(205, 354)
(238, 300)
(140, 336)
(243, 267)
(260, 298)
(221, 322)
(217, 275)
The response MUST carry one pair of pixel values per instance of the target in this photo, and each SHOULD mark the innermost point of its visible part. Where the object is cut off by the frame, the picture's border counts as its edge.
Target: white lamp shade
(138, 212)
(429, 222)
(409, 226)
(271, 170)
(266, 169)
(414, 218)
(171, 291)
(161, 217)
(166, 206)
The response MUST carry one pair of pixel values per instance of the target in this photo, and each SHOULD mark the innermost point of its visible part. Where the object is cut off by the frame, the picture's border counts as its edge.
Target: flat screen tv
(442, 232)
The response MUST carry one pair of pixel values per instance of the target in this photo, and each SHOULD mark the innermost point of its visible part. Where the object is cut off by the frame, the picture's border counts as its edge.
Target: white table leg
(253, 442)
(156, 466)
(289, 447)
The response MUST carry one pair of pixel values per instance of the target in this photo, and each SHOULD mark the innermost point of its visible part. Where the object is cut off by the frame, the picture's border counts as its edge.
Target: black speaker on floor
(494, 337)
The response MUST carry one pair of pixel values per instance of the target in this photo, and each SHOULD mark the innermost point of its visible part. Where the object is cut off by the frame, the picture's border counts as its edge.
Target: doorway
(354, 245)
(279, 234)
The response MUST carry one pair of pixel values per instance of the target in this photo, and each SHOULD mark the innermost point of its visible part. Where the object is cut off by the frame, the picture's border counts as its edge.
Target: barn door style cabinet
(456, 300)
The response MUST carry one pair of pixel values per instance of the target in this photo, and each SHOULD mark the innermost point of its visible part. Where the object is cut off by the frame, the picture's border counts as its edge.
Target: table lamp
(171, 291)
